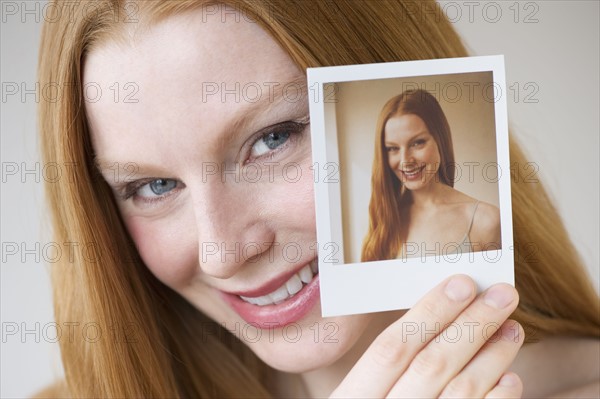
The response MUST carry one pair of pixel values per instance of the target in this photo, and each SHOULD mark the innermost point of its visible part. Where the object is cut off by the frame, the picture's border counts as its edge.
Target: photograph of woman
(413, 202)
(184, 274)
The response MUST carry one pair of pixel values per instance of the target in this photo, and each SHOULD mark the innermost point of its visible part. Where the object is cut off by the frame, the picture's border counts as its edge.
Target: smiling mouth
(412, 172)
(287, 290)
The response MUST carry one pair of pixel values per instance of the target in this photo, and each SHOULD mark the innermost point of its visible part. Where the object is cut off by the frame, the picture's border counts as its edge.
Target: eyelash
(416, 143)
(131, 189)
(294, 128)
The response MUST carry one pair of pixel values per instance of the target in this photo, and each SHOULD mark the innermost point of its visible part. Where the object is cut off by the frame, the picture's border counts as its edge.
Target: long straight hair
(387, 230)
(175, 350)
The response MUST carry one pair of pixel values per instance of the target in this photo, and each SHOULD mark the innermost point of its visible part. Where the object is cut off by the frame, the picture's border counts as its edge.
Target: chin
(416, 185)
(300, 357)
(311, 344)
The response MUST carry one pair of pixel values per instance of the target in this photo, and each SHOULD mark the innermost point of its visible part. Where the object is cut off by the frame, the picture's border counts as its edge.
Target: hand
(450, 344)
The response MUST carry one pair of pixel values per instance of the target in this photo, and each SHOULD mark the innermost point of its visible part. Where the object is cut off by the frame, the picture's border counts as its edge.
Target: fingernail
(508, 380)
(499, 296)
(459, 289)
(512, 332)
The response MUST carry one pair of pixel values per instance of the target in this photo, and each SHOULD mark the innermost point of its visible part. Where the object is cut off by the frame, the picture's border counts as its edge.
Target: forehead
(404, 126)
(186, 72)
(215, 49)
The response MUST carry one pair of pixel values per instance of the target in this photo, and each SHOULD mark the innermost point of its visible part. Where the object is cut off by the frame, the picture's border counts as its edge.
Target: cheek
(431, 154)
(394, 160)
(292, 199)
(391, 161)
(167, 248)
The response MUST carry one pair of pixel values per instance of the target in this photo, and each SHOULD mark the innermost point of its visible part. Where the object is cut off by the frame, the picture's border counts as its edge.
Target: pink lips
(276, 315)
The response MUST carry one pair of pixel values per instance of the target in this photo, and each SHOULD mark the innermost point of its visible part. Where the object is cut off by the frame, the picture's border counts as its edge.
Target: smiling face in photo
(219, 201)
(413, 153)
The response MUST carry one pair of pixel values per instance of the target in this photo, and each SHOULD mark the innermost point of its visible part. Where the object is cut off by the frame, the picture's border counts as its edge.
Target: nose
(231, 230)
(406, 157)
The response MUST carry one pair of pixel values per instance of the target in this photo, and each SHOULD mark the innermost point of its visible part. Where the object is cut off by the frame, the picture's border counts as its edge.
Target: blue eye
(269, 142)
(276, 138)
(151, 190)
(161, 186)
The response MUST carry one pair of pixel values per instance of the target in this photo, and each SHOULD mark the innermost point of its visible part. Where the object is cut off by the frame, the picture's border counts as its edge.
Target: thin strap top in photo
(462, 247)
(465, 243)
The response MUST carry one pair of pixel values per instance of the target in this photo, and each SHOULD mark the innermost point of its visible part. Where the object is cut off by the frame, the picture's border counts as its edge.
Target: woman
(181, 192)
(414, 208)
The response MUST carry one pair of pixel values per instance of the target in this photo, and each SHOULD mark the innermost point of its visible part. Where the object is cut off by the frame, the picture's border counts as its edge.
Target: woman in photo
(187, 269)
(414, 208)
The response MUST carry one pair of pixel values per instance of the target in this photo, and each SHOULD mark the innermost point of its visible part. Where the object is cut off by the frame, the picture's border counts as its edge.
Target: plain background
(551, 46)
(470, 115)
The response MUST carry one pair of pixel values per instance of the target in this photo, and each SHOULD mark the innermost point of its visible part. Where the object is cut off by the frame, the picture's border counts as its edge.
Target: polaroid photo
(412, 179)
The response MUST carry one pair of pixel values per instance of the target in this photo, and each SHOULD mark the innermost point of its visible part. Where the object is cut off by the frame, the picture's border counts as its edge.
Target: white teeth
(306, 274)
(279, 295)
(250, 300)
(411, 173)
(287, 290)
(262, 300)
(294, 285)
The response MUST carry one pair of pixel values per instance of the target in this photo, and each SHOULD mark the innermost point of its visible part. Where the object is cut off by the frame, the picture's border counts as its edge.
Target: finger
(392, 351)
(490, 363)
(509, 386)
(443, 358)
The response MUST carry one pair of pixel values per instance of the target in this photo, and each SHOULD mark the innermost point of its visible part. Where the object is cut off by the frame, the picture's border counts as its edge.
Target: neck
(429, 195)
(321, 382)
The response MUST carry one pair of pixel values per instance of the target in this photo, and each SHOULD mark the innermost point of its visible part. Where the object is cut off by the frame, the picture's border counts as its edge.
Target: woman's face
(412, 152)
(207, 149)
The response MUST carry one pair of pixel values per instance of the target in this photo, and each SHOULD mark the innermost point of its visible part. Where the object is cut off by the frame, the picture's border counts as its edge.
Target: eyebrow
(413, 138)
(274, 97)
(266, 104)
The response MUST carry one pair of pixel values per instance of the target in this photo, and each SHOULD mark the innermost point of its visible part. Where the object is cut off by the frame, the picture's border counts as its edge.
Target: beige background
(467, 102)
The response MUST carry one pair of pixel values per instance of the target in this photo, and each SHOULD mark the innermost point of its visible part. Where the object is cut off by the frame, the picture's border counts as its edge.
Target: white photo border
(353, 288)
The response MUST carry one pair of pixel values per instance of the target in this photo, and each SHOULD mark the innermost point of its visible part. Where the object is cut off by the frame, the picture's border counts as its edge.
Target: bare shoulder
(486, 224)
(560, 367)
